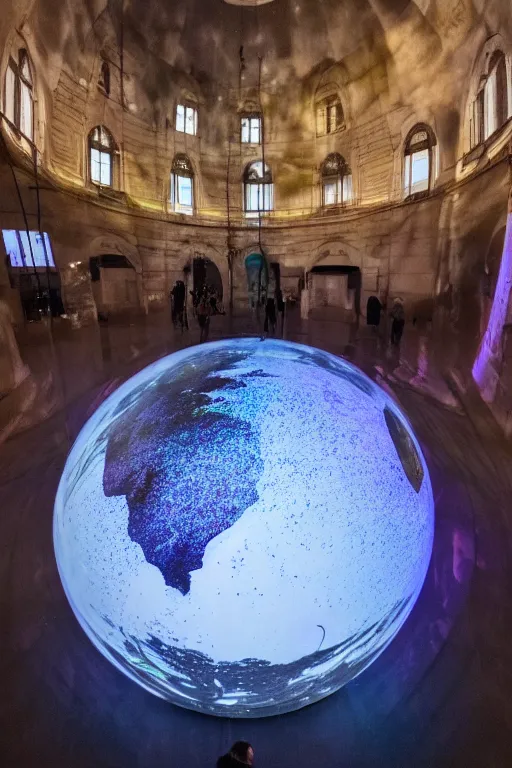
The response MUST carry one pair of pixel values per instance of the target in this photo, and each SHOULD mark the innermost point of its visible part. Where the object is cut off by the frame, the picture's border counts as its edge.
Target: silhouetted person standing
(241, 753)
(270, 316)
(398, 322)
(178, 295)
(203, 313)
(373, 310)
(281, 306)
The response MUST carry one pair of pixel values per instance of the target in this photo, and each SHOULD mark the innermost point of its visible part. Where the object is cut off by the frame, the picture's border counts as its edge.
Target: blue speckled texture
(244, 526)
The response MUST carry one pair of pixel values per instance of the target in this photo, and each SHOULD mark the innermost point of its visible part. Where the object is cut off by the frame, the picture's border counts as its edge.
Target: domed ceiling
(391, 50)
(204, 36)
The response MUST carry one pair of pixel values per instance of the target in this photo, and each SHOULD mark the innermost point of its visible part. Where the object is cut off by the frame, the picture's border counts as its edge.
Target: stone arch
(331, 78)
(114, 245)
(208, 251)
(109, 243)
(205, 272)
(343, 262)
(254, 247)
(212, 254)
(334, 253)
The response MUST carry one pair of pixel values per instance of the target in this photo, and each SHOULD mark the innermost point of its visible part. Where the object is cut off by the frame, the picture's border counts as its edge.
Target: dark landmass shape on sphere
(338, 367)
(186, 464)
(405, 449)
(259, 687)
(187, 467)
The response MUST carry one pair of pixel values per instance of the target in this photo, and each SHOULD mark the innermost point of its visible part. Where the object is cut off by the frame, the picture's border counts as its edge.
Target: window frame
(497, 68)
(187, 106)
(323, 115)
(478, 109)
(341, 178)
(20, 81)
(250, 116)
(410, 150)
(264, 184)
(102, 149)
(104, 79)
(490, 109)
(180, 172)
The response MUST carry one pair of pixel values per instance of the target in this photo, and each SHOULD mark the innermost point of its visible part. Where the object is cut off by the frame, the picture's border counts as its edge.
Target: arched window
(490, 109)
(336, 181)
(497, 92)
(258, 189)
(104, 78)
(19, 94)
(101, 156)
(419, 161)
(182, 185)
(329, 115)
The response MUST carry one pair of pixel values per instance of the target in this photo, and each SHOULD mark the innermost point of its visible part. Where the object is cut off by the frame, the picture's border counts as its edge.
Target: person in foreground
(241, 753)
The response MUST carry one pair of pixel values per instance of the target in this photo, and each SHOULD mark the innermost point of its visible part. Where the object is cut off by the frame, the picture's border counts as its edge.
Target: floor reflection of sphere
(244, 526)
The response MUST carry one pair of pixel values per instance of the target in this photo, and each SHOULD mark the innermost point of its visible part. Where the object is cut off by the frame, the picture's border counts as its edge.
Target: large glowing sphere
(243, 526)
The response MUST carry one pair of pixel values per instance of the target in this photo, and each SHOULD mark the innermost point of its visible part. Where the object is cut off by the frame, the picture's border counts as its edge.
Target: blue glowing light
(244, 526)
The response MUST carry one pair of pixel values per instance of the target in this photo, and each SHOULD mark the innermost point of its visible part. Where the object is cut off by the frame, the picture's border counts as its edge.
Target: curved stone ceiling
(247, 2)
(386, 52)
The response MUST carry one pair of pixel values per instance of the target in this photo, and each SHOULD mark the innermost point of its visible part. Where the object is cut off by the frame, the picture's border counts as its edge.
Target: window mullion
(17, 101)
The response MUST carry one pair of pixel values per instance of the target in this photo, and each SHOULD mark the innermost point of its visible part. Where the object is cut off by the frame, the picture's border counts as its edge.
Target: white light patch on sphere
(244, 526)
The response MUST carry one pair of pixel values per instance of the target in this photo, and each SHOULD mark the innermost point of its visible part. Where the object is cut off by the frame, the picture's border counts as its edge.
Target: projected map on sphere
(243, 526)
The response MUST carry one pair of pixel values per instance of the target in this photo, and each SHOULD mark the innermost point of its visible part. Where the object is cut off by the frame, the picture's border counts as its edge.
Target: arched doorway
(114, 284)
(206, 273)
(257, 279)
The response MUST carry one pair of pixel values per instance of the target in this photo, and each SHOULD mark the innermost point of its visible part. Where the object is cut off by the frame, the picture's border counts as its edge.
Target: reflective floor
(438, 696)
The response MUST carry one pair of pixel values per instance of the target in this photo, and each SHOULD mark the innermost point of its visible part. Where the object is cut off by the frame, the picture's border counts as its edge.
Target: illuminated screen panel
(244, 526)
(21, 254)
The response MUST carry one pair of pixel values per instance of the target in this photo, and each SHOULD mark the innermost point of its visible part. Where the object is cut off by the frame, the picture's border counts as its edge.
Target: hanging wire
(41, 233)
(262, 123)
(23, 210)
(241, 70)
